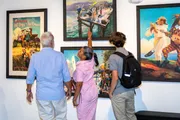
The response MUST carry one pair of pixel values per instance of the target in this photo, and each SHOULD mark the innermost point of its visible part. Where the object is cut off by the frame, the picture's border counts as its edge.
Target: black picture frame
(19, 23)
(75, 33)
(152, 69)
(100, 81)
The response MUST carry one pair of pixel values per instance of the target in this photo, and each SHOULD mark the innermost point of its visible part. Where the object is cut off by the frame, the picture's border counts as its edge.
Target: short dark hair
(118, 39)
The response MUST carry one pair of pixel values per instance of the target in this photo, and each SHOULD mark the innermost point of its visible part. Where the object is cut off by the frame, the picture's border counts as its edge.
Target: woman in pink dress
(86, 94)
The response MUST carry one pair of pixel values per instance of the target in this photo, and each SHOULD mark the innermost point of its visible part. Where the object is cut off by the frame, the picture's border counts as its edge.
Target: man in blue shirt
(51, 72)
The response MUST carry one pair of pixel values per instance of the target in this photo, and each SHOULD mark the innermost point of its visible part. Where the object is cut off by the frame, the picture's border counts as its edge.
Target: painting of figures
(80, 15)
(102, 75)
(24, 30)
(159, 42)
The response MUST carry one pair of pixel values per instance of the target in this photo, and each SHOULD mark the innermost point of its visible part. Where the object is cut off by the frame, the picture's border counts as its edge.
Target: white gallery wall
(156, 96)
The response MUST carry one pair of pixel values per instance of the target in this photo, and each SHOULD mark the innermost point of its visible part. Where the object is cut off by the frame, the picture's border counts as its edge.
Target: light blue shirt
(51, 70)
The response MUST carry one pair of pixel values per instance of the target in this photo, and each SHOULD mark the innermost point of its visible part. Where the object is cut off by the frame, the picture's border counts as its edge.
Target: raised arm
(90, 38)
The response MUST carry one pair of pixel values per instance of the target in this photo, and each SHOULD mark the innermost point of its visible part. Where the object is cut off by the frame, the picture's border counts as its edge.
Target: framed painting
(102, 74)
(97, 15)
(158, 40)
(24, 28)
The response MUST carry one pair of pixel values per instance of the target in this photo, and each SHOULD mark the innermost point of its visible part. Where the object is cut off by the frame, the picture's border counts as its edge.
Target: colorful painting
(102, 75)
(159, 41)
(24, 28)
(81, 15)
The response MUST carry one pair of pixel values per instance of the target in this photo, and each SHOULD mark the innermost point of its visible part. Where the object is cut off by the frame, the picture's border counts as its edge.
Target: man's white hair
(47, 39)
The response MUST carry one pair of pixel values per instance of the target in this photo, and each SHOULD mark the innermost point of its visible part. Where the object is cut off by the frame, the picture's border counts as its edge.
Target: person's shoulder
(125, 51)
(58, 53)
(36, 54)
(113, 57)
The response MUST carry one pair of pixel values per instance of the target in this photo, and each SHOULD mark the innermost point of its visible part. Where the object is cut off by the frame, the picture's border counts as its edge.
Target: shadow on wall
(3, 111)
(139, 104)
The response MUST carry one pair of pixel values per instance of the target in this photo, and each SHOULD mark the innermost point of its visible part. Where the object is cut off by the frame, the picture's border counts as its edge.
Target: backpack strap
(130, 53)
(120, 54)
(123, 57)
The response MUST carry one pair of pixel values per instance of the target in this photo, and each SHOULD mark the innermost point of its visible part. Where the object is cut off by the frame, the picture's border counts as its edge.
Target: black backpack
(131, 74)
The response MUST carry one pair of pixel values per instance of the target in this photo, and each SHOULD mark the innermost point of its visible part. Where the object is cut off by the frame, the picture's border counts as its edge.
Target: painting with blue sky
(102, 75)
(155, 30)
(80, 15)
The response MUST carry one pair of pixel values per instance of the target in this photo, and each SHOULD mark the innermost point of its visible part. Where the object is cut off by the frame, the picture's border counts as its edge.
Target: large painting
(81, 15)
(24, 28)
(102, 75)
(158, 38)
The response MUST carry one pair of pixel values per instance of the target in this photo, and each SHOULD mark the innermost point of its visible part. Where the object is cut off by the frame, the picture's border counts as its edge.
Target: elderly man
(51, 72)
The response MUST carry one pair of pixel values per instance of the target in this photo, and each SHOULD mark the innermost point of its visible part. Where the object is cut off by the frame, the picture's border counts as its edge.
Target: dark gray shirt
(116, 63)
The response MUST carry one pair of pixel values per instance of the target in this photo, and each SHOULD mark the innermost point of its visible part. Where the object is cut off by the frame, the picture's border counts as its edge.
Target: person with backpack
(126, 75)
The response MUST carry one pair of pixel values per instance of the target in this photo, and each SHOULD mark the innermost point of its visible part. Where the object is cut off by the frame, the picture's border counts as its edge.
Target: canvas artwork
(24, 28)
(102, 75)
(81, 15)
(159, 42)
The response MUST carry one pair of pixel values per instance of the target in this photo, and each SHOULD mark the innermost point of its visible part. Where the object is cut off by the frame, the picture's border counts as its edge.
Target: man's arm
(114, 82)
(66, 78)
(29, 93)
(68, 85)
(113, 67)
(30, 79)
(153, 28)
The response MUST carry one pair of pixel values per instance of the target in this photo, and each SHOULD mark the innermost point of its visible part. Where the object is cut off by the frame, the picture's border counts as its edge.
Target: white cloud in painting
(146, 45)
